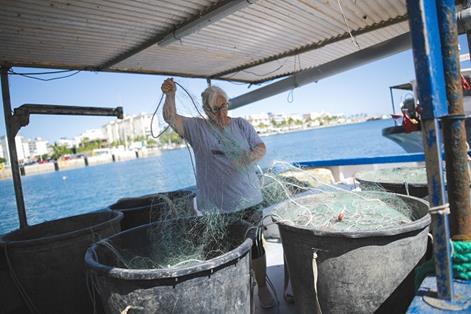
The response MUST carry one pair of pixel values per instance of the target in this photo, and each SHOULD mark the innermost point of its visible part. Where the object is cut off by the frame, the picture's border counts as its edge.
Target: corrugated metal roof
(264, 40)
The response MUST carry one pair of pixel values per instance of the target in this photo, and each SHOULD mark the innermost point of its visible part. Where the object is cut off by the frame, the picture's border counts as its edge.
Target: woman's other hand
(243, 160)
(169, 87)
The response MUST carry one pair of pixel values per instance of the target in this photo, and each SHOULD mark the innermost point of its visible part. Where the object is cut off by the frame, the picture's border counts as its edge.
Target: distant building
(128, 128)
(37, 147)
(312, 115)
(68, 142)
(111, 131)
(141, 125)
(259, 119)
(296, 117)
(278, 117)
(22, 149)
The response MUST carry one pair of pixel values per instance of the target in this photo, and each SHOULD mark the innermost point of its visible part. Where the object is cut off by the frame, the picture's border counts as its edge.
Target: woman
(226, 150)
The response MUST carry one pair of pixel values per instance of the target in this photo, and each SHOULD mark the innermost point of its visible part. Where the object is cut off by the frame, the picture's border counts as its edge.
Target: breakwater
(83, 161)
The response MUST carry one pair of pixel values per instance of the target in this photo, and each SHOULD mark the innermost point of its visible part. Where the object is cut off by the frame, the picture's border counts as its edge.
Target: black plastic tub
(401, 186)
(45, 261)
(358, 272)
(13, 303)
(218, 285)
(146, 209)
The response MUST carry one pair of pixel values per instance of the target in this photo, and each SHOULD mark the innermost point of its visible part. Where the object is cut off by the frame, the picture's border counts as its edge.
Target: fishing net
(173, 243)
(178, 243)
(407, 180)
(322, 206)
(283, 181)
(410, 175)
(329, 207)
(155, 207)
(346, 211)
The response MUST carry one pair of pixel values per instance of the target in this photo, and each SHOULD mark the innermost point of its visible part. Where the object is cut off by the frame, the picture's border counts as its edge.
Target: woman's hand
(241, 159)
(169, 87)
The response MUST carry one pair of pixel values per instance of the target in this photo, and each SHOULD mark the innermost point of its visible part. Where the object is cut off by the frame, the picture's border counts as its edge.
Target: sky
(364, 89)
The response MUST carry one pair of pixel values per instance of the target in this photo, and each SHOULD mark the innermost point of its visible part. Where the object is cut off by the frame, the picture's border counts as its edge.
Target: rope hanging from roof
(354, 40)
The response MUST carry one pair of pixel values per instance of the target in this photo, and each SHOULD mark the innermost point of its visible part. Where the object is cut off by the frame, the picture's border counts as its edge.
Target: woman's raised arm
(170, 111)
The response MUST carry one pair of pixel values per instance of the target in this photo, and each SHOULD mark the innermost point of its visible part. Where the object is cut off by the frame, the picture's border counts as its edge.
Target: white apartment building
(128, 128)
(111, 131)
(141, 124)
(22, 149)
(37, 147)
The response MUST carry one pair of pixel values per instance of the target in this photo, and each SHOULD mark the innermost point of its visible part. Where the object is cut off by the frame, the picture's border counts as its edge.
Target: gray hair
(210, 94)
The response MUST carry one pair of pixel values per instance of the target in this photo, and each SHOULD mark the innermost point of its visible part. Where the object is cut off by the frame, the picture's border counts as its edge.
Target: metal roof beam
(378, 51)
(221, 11)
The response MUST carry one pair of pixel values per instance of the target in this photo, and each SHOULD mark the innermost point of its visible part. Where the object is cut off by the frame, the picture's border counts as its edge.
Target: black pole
(15, 170)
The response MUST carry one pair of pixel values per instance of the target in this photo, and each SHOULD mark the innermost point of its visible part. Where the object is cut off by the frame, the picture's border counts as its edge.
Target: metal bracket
(20, 117)
(18, 120)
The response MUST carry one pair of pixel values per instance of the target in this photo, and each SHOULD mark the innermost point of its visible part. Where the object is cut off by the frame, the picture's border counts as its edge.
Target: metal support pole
(15, 170)
(454, 131)
(426, 48)
(392, 104)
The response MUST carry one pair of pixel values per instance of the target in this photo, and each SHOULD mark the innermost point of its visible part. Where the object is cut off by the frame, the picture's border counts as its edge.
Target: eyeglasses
(220, 108)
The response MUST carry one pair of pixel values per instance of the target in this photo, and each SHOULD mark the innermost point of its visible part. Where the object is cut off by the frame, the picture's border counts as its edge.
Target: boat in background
(411, 141)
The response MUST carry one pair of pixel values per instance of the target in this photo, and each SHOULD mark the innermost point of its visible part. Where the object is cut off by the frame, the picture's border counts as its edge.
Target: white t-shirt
(222, 184)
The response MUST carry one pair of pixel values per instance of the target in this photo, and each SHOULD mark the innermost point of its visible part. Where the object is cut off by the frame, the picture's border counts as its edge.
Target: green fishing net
(298, 197)
(178, 243)
(346, 211)
(409, 175)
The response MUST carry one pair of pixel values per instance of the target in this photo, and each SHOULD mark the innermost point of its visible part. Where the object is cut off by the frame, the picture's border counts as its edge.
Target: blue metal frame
(415, 157)
(426, 45)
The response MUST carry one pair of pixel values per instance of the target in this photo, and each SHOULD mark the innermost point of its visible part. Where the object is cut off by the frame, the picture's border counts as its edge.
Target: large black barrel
(404, 181)
(356, 272)
(45, 261)
(13, 303)
(145, 209)
(218, 285)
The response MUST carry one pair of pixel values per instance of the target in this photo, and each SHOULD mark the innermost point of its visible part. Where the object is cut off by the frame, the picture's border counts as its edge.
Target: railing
(414, 157)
